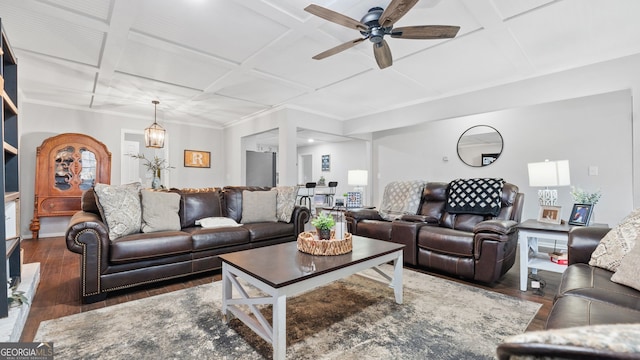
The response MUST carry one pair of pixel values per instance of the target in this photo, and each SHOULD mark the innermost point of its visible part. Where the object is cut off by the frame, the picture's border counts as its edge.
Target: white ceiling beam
(122, 16)
(499, 33)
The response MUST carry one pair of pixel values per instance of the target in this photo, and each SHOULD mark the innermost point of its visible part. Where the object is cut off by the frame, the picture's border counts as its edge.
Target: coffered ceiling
(217, 62)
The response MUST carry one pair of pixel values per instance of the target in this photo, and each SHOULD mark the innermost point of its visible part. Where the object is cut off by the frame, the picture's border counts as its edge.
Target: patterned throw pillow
(610, 341)
(617, 243)
(160, 211)
(285, 202)
(120, 207)
(258, 206)
(627, 273)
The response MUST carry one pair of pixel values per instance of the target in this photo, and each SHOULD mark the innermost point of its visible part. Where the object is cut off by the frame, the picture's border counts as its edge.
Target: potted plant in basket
(323, 224)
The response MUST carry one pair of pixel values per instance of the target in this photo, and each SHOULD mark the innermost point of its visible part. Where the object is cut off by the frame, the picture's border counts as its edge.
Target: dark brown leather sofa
(143, 258)
(586, 297)
(481, 248)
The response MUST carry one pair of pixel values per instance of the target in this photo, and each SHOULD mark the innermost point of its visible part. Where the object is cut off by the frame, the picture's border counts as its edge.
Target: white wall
(39, 122)
(345, 156)
(589, 131)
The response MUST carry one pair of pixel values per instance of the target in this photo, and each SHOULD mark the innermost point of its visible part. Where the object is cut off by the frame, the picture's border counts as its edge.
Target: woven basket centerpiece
(309, 243)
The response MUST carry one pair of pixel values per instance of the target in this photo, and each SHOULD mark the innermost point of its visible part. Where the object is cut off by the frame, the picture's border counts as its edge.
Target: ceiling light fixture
(154, 134)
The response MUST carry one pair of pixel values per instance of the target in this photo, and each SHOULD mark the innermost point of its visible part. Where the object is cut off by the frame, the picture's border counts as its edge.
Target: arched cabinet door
(67, 165)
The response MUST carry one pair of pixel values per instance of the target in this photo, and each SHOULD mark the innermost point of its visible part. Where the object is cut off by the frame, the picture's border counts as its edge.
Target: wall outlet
(535, 284)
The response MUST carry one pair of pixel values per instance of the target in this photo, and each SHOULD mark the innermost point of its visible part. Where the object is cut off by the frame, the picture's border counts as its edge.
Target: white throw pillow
(120, 207)
(160, 211)
(217, 222)
(258, 206)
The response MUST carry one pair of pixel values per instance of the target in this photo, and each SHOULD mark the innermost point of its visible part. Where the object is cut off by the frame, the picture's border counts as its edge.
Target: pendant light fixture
(154, 134)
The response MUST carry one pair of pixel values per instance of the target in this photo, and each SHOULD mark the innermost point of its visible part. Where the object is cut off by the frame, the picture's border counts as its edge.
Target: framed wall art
(196, 158)
(326, 162)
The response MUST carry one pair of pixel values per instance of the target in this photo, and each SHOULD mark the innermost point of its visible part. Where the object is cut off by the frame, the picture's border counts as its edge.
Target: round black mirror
(480, 145)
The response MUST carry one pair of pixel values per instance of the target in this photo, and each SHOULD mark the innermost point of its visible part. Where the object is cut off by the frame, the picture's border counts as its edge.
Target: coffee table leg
(279, 327)
(397, 278)
(226, 291)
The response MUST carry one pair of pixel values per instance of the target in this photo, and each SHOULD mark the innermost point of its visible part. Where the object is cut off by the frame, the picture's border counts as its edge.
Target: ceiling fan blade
(382, 53)
(335, 17)
(395, 10)
(339, 48)
(425, 32)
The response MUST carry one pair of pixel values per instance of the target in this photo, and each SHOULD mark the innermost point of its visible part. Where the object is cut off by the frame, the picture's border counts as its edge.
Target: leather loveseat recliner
(482, 248)
(142, 258)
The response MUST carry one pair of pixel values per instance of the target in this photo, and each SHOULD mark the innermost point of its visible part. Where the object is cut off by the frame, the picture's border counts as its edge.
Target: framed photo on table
(580, 214)
(550, 214)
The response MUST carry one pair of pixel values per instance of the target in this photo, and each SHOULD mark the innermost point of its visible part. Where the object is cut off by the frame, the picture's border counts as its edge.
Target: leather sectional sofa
(592, 317)
(586, 295)
(143, 258)
(482, 248)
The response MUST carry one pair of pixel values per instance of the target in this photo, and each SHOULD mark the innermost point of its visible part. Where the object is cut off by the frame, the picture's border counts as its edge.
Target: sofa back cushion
(435, 197)
(233, 200)
(199, 205)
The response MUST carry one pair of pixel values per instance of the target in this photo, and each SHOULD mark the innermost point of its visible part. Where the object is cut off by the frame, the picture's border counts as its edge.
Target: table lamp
(358, 179)
(546, 174)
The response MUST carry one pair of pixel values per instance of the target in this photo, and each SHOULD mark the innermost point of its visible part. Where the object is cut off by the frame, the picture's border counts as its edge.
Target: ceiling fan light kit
(377, 23)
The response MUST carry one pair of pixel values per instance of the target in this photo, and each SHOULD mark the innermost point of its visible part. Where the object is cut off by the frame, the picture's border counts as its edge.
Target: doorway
(305, 168)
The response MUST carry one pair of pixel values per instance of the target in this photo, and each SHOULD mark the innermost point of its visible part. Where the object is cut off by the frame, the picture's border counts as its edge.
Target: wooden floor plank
(59, 292)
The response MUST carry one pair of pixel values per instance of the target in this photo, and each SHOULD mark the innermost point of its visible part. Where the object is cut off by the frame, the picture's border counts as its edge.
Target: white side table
(528, 234)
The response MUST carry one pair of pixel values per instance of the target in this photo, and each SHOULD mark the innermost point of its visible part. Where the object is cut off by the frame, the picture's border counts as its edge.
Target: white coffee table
(281, 271)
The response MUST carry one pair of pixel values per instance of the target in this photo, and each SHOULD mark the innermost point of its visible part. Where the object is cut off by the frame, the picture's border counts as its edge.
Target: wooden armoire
(67, 165)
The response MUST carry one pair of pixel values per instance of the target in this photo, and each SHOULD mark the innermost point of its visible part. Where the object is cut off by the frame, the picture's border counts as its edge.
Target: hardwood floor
(58, 292)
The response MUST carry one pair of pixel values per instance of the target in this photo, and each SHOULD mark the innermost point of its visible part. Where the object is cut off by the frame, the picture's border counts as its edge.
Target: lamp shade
(357, 177)
(549, 173)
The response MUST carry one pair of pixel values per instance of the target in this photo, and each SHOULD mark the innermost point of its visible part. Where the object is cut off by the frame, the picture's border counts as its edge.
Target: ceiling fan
(377, 23)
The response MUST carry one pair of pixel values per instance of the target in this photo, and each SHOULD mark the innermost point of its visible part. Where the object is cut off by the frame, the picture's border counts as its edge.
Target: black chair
(328, 197)
(310, 188)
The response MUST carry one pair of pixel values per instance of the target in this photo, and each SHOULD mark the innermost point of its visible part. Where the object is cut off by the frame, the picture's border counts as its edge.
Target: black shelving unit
(10, 180)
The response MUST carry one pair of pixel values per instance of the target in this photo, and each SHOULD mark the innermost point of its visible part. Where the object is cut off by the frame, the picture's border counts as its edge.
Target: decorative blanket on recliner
(475, 196)
(401, 198)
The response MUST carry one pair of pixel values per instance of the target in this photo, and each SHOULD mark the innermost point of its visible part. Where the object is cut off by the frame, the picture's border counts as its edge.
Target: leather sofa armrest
(88, 235)
(79, 224)
(300, 217)
(420, 219)
(496, 226)
(583, 241)
(363, 214)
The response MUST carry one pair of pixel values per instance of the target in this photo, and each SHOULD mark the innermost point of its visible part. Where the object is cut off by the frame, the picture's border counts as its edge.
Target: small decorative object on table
(155, 166)
(310, 244)
(324, 241)
(323, 223)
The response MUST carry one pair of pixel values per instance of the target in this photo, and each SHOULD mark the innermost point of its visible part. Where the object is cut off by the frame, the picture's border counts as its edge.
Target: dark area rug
(354, 318)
